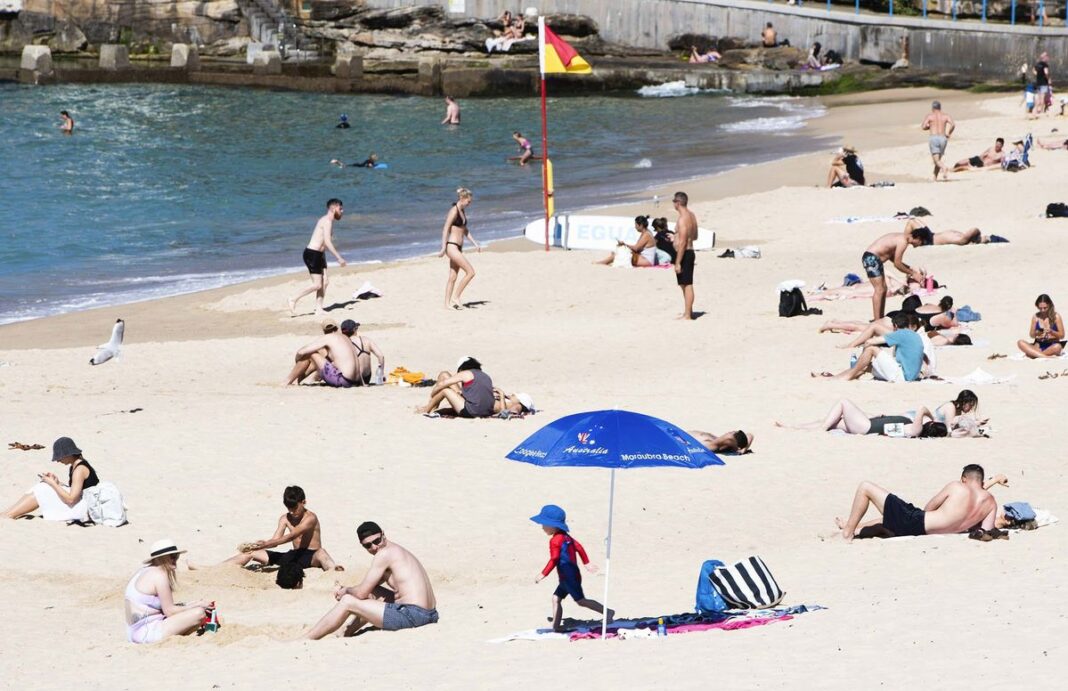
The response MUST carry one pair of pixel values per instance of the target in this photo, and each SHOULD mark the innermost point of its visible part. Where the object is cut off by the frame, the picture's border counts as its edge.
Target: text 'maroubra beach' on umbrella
(615, 439)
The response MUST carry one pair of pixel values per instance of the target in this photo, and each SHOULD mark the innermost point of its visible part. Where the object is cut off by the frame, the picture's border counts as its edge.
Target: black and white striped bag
(747, 585)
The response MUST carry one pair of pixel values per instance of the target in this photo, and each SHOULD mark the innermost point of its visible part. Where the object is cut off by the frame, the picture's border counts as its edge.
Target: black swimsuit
(463, 218)
(90, 481)
(361, 380)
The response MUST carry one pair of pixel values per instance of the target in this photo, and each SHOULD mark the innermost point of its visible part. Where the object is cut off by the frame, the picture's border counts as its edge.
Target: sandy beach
(216, 439)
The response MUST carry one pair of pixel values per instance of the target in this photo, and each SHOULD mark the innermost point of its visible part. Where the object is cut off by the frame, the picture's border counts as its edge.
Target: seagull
(106, 351)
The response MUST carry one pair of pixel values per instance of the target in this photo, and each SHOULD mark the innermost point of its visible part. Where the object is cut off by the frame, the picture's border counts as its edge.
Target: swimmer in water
(525, 150)
(452, 246)
(452, 112)
(67, 125)
(343, 122)
(369, 162)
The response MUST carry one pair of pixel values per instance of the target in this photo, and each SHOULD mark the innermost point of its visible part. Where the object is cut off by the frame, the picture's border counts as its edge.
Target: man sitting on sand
(469, 392)
(407, 603)
(333, 356)
(902, 361)
(731, 442)
(988, 159)
(957, 508)
(889, 247)
(297, 525)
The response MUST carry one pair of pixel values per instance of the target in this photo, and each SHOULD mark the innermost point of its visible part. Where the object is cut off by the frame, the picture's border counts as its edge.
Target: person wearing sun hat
(846, 169)
(59, 502)
(564, 551)
(151, 613)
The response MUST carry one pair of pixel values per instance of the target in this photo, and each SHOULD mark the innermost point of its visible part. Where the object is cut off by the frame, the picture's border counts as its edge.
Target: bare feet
(847, 536)
(828, 375)
(685, 317)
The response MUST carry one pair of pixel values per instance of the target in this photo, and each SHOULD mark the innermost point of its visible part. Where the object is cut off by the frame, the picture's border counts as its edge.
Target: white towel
(978, 376)
(1021, 356)
(532, 635)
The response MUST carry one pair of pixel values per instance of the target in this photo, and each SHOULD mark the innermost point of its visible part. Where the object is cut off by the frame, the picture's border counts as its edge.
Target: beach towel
(1020, 356)
(866, 219)
(976, 377)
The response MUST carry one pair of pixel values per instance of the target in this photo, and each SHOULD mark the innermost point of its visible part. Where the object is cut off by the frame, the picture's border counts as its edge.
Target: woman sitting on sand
(731, 442)
(59, 502)
(1047, 331)
(151, 612)
(848, 417)
(453, 234)
(665, 239)
(642, 252)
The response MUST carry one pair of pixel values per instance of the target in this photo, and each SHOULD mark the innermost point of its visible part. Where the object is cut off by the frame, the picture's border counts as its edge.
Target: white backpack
(105, 505)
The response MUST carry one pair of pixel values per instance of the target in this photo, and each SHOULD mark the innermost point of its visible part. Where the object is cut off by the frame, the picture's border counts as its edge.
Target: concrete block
(114, 57)
(36, 59)
(267, 62)
(349, 67)
(430, 76)
(185, 56)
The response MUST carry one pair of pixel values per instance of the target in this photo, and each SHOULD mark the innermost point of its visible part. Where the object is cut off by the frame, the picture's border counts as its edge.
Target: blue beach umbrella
(615, 439)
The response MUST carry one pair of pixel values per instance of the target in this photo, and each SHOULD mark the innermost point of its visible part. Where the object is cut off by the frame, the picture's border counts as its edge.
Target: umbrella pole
(608, 553)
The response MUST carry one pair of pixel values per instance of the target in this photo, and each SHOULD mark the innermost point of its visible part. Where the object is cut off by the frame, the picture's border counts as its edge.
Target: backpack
(746, 585)
(708, 598)
(105, 505)
(1056, 210)
(792, 304)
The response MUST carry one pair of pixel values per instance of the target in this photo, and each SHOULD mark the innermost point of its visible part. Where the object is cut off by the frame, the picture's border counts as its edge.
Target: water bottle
(852, 361)
(380, 376)
(661, 630)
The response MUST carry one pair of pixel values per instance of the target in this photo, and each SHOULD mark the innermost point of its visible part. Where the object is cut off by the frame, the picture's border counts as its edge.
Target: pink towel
(729, 625)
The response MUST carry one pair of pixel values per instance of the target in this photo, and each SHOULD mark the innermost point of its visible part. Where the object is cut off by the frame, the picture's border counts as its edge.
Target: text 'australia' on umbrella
(615, 439)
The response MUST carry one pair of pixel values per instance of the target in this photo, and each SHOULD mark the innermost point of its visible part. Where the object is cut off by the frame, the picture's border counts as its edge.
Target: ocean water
(167, 189)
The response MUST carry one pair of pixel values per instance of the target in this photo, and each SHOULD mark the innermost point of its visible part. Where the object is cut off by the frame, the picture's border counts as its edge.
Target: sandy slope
(206, 459)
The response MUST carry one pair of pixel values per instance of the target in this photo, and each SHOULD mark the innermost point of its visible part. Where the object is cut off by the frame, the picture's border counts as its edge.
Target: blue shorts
(397, 617)
(570, 582)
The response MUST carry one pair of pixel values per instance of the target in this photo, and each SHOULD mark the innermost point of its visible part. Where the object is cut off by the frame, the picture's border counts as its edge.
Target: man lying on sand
(731, 442)
(957, 508)
(297, 525)
(891, 247)
(407, 603)
(333, 356)
(972, 236)
(988, 159)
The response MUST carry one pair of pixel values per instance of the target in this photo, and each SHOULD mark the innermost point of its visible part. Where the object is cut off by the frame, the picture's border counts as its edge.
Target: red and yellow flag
(557, 57)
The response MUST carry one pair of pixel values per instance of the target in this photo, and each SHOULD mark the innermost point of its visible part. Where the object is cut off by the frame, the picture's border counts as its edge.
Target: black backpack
(792, 304)
(1056, 210)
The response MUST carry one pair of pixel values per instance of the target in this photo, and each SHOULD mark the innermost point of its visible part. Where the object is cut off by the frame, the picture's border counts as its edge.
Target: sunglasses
(373, 543)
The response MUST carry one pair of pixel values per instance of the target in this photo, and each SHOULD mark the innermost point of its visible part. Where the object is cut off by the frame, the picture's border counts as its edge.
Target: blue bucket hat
(552, 516)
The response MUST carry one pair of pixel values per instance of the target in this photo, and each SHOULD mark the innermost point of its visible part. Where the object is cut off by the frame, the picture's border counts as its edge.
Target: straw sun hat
(163, 548)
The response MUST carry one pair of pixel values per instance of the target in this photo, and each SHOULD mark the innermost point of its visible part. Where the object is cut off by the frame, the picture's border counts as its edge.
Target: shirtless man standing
(452, 112)
(334, 358)
(685, 234)
(988, 159)
(941, 127)
(957, 508)
(297, 525)
(315, 256)
(889, 247)
(407, 603)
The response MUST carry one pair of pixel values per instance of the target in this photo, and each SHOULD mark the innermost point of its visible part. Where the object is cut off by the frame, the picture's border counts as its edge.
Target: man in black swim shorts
(685, 234)
(322, 239)
(958, 507)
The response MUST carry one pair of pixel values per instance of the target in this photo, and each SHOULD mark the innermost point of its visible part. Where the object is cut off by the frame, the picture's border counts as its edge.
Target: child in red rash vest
(564, 552)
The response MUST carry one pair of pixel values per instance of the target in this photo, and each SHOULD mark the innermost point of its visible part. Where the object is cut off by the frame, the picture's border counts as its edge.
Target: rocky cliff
(71, 25)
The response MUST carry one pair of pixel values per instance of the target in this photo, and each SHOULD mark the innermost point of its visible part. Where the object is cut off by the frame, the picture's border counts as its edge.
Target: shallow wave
(775, 124)
(668, 90)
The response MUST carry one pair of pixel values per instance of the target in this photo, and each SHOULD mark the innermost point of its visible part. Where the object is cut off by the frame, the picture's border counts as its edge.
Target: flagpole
(544, 130)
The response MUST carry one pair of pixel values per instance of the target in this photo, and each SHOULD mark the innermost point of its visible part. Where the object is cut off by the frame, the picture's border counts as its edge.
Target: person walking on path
(315, 256)
(941, 127)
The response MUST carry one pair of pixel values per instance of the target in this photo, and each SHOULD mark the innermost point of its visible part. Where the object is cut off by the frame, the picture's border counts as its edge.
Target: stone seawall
(991, 50)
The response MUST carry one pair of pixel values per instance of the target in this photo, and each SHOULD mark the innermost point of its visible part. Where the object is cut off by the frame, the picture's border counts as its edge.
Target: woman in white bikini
(452, 246)
(151, 612)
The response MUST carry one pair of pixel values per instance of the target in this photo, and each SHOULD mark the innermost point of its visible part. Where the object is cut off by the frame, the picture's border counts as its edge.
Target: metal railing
(1039, 14)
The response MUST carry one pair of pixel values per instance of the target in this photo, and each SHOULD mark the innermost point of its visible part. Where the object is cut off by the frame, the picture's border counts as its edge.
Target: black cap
(349, 326)
(366, 529)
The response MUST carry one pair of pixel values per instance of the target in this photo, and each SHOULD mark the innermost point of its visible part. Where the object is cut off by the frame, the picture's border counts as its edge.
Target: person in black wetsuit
(368, 162)
(343, 122)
